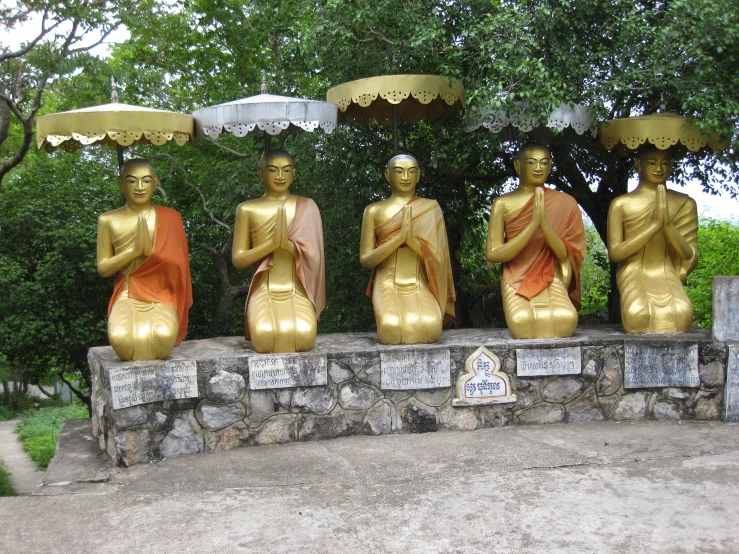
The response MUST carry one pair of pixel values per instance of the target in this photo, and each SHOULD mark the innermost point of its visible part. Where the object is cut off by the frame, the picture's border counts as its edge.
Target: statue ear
(386, 173)
(637, 164)
(259, 174)
(517, 166)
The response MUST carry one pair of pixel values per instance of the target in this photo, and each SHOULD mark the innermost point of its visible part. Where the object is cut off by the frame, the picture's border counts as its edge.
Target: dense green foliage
(6, 487)
(38, 431)
(718, 245)
(26, 403)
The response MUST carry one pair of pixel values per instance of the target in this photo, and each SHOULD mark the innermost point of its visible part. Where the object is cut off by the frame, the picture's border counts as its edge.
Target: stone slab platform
(226, 414)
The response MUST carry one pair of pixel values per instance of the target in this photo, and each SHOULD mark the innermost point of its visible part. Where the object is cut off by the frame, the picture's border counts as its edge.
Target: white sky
(718, 207)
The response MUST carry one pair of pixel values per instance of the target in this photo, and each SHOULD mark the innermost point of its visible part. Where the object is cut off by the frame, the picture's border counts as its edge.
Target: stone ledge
(227, 414)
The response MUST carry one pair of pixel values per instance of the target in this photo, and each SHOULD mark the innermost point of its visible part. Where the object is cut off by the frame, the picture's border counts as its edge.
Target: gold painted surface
(113, 124)
(663, 130)
(406, 310)
(279, 315)
(137, 330)
(652, 235)
(415, 97)
(550, 313)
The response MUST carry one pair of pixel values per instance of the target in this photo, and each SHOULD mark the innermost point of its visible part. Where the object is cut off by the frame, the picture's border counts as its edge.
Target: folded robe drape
(429, 229)
(531, 271)
(165, 275)
(305, 231)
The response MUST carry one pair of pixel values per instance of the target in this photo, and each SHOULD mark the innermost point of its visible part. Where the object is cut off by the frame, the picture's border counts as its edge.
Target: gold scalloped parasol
(391, 98)
(663, 130)
(113, 124)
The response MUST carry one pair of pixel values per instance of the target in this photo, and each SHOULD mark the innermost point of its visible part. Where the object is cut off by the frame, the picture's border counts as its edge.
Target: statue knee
(565, 320)
(431, 327)
(262, 336)
(164, 336)
(305, 334)
(636, 317)
(121, 339)
(389, 329)
(684, 315)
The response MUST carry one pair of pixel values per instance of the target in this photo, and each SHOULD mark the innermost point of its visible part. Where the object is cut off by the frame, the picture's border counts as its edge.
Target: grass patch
(24, 403)
(38, 431)
(6, 488)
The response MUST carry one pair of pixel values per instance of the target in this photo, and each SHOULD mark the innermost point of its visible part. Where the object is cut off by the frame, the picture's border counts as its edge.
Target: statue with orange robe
(404, 241)
(146, 246)
(282, 235)
(538, 235)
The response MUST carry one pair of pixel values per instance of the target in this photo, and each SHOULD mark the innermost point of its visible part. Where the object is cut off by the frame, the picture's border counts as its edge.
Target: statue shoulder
(112, 215)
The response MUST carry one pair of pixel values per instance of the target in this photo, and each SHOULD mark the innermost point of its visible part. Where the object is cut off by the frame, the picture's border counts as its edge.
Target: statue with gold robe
(653, 236)
(404, 242)
(282, 236)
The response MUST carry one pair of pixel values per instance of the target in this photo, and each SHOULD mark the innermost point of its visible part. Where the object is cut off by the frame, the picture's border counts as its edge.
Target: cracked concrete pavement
(596, 487)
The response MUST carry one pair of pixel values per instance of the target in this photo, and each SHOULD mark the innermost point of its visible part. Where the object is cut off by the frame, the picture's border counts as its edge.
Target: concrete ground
(24, 475)
(591, 488)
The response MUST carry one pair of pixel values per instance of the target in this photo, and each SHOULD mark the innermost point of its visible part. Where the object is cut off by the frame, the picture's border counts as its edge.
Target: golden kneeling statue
(652, 235)
(282, 234)
(538, 235)
(404, 242)
(147, 247)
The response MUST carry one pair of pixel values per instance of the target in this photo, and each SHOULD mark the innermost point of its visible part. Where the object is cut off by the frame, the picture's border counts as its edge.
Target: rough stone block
(707, 409)
(183, 438)
(418, 420)
(278, 429)
(562, 389)
(128, 417)
(666, 411)
(356, 396)
(712, 374)
(542, 414)
(133, 447)
(631, 406)
(214, 416)
(317, 400)
(458, 419)
(378, 420)
(224, 386)
(339, 374)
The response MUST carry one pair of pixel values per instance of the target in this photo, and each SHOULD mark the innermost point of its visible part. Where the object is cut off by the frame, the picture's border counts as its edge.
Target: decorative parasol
(663, 130)
(391, 98)
(265, 115)
(114, 124)
(511, 124)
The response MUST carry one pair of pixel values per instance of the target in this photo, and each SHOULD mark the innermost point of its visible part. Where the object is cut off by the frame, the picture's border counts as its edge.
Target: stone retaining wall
(227, 414)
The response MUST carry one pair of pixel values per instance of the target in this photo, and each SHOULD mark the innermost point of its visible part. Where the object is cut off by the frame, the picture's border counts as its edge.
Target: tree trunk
(8, 395)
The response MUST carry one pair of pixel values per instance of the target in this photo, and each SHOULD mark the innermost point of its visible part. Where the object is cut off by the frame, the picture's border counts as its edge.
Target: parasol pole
(395, 129)
(114, 100)
(267, 137)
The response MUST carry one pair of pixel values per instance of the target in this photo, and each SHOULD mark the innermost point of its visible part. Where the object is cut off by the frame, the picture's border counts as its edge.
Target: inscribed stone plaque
(282, 371)
(412, 369)
(132, 385)
(726, 308)
(660, 366)
(482, 382)
(731, 393)
(537, 362)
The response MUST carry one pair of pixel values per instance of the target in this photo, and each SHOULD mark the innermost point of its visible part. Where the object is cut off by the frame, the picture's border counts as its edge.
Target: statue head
(653, 165)
(276, 170)
(533, 164)
(138, 181)
(402, 172)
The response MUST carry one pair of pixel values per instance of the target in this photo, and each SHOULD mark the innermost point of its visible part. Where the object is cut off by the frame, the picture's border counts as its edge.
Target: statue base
(218, 394)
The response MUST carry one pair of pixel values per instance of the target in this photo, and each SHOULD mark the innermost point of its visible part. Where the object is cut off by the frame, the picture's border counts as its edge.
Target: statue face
(534, 166)
(403, 176)
(138, 184)
(278, 173)
(654, 166)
